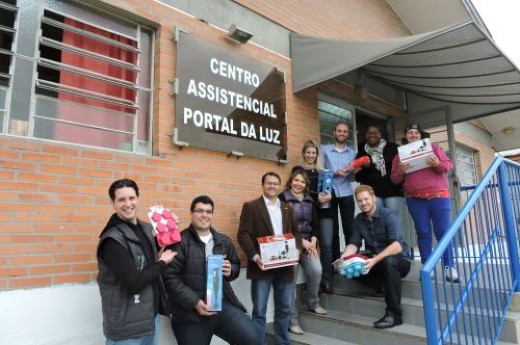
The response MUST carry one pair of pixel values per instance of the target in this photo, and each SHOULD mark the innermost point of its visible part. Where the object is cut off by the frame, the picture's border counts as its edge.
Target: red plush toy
(360, 162)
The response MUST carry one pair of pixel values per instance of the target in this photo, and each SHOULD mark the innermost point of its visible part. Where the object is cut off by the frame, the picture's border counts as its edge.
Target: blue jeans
(426, 212)
(282, 289)
(395, 203)
(145, 340)
(231, 324)
(325, 241)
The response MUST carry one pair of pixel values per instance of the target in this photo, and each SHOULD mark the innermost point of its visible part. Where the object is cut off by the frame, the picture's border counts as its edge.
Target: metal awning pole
(453, 176)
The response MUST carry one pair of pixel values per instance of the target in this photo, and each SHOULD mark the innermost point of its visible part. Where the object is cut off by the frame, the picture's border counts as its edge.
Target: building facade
(93, 90)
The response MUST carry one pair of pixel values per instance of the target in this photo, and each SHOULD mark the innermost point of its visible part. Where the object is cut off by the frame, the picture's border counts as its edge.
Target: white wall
(71, 314)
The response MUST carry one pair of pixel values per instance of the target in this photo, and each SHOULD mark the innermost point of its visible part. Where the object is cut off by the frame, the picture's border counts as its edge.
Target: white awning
(458, 66)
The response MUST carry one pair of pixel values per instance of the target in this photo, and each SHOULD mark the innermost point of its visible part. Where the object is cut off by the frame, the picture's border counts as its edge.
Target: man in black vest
(129, 279)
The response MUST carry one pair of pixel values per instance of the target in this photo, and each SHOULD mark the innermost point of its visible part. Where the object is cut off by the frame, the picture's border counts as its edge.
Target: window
(466, 165)
(330, 114)
(8, 12)
(92, 79)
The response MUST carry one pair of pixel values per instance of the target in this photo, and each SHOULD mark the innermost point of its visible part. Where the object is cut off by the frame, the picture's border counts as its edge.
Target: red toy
(360, 162)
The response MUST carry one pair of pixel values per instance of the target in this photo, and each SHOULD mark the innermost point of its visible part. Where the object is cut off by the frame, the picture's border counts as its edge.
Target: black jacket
(185, 277)
(383, 186)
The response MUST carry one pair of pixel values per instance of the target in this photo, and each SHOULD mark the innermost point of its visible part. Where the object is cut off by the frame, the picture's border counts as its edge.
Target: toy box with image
(416, 154)
(214, 282)
(164, 226)
(278, 251)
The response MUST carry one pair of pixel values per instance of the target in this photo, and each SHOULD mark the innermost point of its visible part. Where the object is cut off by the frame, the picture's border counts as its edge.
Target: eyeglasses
(272, 184)
(201, 211)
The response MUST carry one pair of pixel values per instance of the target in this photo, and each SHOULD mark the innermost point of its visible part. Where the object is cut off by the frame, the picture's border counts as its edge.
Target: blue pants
(152, 339)
(231, 324)
(260, 289)
(426, 212)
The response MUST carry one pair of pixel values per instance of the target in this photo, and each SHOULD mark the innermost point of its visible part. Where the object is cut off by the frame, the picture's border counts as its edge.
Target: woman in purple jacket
(297, 195)
(428, 197)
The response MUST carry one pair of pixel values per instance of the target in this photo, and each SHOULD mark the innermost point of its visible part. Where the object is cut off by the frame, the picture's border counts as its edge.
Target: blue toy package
(325, 184)
(214, 282)
(351, 266)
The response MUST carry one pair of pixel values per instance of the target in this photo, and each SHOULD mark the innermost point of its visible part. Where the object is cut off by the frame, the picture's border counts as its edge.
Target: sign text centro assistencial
(228, 102)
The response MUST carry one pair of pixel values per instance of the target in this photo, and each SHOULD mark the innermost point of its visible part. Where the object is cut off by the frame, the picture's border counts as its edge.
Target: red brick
(92, 266)
(40, 157)
(20, 283)
(6, 175)
(63, 258)
(61, 150)
(12, 271)
(36, 177)
(59, 169)
(33, 238)
(17, 165)
(95, 172)
(19, 186)
(61, 188)
(98, 155)
(72, 278)
(75, 199)
(46, 270)
(31, 259)
(9, 154)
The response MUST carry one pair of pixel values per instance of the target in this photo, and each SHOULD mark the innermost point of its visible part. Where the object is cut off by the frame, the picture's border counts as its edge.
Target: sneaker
(451, 274)
(319, 310)
(296, 329)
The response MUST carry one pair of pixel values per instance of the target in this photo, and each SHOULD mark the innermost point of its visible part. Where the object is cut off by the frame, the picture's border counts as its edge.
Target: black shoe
(326, 288)
(388, 321)
(378, 293)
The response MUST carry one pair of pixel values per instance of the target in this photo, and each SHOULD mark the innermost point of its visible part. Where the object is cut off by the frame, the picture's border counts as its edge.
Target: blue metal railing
(485, 239)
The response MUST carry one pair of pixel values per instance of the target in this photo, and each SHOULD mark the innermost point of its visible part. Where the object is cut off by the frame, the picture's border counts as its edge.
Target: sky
(502, 20)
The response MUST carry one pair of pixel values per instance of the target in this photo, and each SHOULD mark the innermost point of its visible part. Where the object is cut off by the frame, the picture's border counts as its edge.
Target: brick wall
(53, 196)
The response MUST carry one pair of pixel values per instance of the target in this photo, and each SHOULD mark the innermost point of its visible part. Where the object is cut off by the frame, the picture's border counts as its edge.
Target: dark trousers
(346, 209)
(231, 324)
(388, 274)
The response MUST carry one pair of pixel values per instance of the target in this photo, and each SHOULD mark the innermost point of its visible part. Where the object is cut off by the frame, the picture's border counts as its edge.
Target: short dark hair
(271, 173)
(373, 125)
(203, 199)
(122, 183)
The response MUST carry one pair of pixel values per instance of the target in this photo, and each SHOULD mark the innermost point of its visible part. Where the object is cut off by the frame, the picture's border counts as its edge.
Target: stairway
(351, 312)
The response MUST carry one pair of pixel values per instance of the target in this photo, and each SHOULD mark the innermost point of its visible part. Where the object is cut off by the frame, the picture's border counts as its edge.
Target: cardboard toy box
(278, 251)
(214, 282)
(416, 154)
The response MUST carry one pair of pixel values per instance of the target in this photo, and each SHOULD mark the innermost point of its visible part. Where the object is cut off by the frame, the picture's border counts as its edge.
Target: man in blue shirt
(336, 158)
(389, 255)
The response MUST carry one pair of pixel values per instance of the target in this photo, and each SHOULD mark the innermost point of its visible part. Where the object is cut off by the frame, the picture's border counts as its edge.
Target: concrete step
(413, 313)
(411, 288)
(306, 339)
(359, 330)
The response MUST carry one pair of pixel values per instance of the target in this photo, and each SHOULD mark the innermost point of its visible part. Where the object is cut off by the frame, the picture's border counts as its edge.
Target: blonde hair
(311, 144)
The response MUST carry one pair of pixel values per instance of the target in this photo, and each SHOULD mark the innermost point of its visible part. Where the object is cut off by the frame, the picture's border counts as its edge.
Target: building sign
(227, 102)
